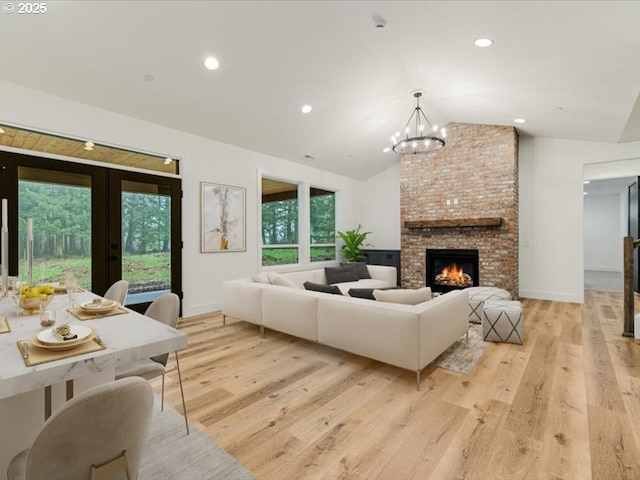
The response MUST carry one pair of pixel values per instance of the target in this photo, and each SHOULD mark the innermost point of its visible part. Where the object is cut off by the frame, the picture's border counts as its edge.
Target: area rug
(171, 454)
(463, 355)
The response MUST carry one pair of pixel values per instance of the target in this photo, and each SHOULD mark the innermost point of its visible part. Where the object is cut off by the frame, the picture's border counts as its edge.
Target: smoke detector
(379, 22)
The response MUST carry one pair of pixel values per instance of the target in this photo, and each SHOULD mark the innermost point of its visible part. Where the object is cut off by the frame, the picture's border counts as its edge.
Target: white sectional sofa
(407, 336)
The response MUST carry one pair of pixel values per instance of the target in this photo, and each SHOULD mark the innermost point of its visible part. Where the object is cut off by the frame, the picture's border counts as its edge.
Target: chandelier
(418, 136)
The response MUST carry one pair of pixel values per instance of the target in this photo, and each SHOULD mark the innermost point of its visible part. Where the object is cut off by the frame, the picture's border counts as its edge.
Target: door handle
(114, 257)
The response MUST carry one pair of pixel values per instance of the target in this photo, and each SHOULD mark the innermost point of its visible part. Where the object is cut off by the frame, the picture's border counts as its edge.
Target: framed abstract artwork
(223, 218)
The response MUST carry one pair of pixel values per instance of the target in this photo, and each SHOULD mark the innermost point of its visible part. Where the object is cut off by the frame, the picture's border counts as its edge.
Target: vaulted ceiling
(571, 69)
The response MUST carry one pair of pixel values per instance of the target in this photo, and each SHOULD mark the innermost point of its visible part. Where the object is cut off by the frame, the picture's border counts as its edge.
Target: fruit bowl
(33, 305)
(34, 299)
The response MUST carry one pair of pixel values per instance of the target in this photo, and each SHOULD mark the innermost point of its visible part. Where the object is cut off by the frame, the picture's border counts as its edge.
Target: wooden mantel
(454, 222)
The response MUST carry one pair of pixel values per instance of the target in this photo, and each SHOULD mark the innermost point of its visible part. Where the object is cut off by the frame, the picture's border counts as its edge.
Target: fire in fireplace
(455, 276)
(450, 269)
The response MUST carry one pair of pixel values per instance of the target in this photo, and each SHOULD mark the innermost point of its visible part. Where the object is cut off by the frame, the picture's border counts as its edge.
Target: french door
(100, 224)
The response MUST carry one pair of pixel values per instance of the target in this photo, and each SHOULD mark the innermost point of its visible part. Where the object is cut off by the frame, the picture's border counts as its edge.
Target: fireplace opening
(452, 269)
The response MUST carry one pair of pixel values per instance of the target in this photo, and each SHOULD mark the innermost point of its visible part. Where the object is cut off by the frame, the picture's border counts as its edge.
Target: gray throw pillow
(348, 273)
(361, 268)
(319, 287)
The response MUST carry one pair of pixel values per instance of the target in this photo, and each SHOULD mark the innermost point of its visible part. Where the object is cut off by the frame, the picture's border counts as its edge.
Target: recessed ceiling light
(586, 182)
(483, 42)
(519, 120)
(585, 193)
(149, 78)
(386, 149)
(88, 145)
(167, 161)
(211, 63)
(309, 157)
(306, 109)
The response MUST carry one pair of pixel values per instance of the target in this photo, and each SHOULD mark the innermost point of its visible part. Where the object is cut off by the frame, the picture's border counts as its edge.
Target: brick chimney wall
(478, 167)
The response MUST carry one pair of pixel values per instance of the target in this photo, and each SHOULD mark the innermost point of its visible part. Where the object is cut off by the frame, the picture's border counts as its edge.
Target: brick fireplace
(464, 196)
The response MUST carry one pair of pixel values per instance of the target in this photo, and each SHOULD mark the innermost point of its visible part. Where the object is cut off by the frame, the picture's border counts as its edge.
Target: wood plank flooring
(565, 405)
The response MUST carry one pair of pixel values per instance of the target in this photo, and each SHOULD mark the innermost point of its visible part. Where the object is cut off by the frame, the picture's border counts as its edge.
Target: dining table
(31, 390)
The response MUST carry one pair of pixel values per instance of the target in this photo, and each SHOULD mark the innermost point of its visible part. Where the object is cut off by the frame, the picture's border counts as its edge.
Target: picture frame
(223, 218)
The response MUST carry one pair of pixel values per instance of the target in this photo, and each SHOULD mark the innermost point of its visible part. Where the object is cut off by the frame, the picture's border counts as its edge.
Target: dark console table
(384, 257)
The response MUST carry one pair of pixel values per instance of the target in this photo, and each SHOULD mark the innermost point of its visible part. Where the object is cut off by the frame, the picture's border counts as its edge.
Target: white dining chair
(118, 292)
(101, 431)
(165, 309)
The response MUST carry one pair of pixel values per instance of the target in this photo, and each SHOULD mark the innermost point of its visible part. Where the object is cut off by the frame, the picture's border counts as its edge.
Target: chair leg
(162, 402)
(184, 405)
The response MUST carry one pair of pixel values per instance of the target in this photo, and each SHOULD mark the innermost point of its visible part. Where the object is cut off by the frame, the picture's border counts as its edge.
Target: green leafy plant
(353, 240)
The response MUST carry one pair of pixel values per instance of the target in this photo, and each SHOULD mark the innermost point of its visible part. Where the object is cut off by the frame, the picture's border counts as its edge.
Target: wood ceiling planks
(47, 143)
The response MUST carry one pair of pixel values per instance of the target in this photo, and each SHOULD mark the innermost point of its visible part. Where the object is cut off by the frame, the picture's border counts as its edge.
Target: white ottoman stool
(502, 321)
(479, 295)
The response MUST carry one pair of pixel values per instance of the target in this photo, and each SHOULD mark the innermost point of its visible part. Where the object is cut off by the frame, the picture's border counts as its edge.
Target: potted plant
(353, 240)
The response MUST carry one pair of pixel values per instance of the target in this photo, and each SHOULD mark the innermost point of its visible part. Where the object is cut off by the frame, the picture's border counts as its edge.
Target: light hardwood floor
(565, 405)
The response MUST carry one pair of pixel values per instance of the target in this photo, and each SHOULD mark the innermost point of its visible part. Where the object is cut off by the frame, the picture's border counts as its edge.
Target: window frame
(304, 225)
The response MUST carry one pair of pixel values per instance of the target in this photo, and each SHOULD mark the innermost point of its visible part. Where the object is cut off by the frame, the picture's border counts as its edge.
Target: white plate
(48, 338)
(103, 306)
(64, 346)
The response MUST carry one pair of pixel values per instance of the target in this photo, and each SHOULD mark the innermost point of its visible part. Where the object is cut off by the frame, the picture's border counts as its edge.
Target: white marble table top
(128, 337)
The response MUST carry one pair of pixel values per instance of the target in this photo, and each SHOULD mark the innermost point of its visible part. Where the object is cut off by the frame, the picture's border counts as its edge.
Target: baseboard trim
(552, 296)
(194, 310)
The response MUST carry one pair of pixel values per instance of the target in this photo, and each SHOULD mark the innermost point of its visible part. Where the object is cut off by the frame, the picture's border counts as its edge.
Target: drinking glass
(47, 318)
(14, 292)
(72, 296)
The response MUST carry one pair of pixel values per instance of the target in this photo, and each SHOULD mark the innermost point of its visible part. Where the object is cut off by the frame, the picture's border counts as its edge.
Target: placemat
(39, 355)
(4, 325)
(81, 314)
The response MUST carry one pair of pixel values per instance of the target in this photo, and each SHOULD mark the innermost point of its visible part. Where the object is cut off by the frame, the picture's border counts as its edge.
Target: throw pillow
(261, 277)
(366, 293)
(407, 297)
(361, 268)
(319, 287)
(277, 279)
(347, 273)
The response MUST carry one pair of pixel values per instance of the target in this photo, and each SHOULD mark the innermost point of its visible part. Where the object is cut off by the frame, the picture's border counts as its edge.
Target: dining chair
(165, 309)
(118, 292)
(100, 432)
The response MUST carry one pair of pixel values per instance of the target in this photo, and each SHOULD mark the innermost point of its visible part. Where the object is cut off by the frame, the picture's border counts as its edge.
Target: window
(298, 223)
(323, 225)
(279, 222)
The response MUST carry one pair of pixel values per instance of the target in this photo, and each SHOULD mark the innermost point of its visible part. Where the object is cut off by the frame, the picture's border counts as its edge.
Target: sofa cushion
(371, 283)
(348, 273)
(262, 277)
(361, 269)
(319, 287)
(277, 279)
(408, 297)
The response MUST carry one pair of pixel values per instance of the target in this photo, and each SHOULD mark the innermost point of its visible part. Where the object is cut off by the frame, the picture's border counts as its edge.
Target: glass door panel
(59, 206)
(89, 220)
(146, 240)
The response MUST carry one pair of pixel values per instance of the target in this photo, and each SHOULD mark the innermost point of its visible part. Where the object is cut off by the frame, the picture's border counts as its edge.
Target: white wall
(602, 239)
(551, 213)
(202, 160)
(381, 209)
